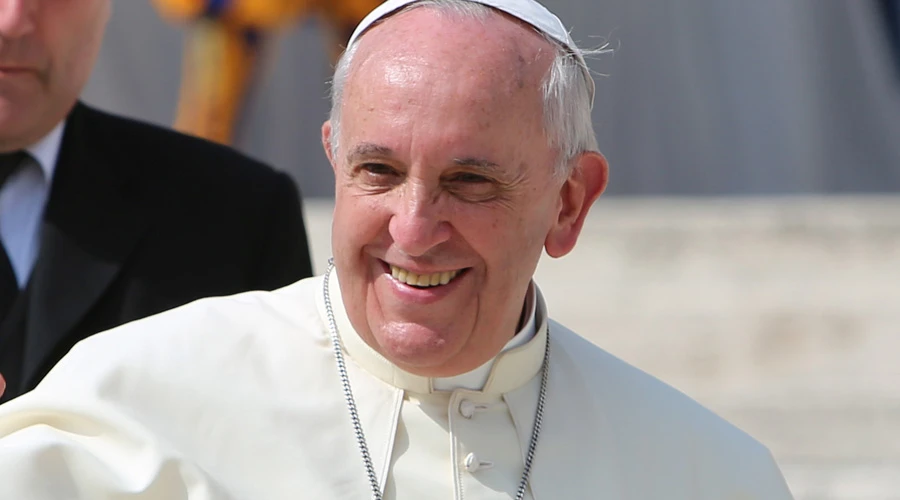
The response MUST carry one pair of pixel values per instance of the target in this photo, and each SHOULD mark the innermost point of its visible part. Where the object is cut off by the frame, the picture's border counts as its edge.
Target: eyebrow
(479, 163)
(368, 150)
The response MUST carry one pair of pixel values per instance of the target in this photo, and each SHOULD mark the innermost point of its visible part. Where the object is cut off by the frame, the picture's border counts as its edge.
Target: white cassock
(240, 398)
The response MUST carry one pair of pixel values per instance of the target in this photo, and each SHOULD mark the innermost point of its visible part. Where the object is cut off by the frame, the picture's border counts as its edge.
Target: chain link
(348, 392)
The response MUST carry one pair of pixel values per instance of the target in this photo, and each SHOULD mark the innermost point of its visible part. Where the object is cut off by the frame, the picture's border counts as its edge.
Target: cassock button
(473, 464)
(468, 408)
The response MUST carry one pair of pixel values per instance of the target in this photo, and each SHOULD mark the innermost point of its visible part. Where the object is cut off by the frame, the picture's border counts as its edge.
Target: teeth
(422, 280)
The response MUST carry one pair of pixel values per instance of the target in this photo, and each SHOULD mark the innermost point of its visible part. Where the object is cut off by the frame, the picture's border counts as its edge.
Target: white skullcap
(528, 11)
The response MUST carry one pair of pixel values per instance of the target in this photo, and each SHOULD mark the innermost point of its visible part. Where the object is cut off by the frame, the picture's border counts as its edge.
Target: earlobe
(584, 185)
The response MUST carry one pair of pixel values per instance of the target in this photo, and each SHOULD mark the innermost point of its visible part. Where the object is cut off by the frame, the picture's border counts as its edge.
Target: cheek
(74, 61)
(509, 240)
(358, 221)
(500, 237)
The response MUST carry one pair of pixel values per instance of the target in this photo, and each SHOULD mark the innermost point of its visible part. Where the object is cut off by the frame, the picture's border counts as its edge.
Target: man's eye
(472, 187)
(376, 176)
(467, 178)
(377, 169)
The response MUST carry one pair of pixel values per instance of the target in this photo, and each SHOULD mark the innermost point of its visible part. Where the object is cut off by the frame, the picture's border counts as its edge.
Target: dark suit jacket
(141, 219)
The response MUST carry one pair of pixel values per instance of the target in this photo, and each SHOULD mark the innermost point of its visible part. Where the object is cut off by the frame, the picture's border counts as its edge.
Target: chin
(415, 347)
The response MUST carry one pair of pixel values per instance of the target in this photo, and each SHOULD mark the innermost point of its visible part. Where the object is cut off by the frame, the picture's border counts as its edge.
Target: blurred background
(748, 248)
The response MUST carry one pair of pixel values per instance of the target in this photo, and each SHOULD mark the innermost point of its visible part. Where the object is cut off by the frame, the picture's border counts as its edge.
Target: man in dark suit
(105, 220)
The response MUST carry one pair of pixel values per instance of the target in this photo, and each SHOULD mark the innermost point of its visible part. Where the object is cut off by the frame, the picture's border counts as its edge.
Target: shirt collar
(519, 361)
(46, 151)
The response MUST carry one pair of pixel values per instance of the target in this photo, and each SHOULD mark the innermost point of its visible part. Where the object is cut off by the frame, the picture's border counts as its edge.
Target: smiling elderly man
(423, 364)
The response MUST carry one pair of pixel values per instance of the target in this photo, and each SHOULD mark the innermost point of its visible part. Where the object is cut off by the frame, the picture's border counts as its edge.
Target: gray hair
(567, 101)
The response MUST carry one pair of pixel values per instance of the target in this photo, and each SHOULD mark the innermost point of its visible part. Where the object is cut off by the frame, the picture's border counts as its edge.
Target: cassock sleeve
(54, 448)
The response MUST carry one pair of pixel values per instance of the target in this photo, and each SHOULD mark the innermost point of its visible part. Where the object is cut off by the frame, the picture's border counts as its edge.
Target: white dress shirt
(22, 201)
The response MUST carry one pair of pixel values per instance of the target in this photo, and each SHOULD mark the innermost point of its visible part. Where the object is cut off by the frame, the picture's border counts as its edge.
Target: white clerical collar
(46, 151)
(518, 362)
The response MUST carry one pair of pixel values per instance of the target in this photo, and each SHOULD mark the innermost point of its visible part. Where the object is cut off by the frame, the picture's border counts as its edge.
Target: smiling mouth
(423, 280)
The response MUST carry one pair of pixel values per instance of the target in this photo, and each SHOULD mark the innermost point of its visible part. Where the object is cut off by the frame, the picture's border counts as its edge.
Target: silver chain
(354, 413)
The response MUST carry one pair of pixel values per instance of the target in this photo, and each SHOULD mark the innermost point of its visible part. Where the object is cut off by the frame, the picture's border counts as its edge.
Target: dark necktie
(9, 286)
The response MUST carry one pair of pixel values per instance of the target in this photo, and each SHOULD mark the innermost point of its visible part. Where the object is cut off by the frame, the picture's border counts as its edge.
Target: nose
(17, 17)
(418, 224)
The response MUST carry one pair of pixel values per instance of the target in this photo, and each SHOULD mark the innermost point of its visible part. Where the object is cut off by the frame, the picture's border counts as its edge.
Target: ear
(326, 143)
(581, 189)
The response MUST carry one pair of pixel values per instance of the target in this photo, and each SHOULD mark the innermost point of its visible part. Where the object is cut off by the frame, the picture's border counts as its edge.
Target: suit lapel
(92, 222)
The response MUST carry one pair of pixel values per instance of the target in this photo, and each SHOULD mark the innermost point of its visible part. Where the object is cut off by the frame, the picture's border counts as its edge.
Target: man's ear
(326, 143)
(581, 189)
